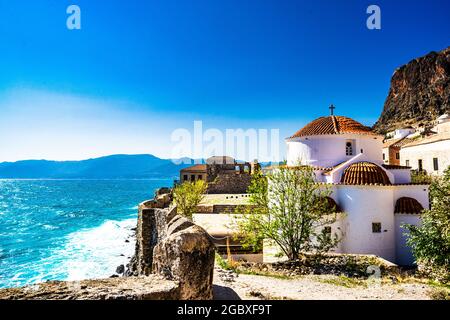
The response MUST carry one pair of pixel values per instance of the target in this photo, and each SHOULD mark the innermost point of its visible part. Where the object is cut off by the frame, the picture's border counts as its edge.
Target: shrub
(188, 195)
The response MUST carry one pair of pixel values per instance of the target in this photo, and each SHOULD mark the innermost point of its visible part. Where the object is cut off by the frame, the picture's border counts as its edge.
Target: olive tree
(430, 242)
(188, 195)
(290, 208)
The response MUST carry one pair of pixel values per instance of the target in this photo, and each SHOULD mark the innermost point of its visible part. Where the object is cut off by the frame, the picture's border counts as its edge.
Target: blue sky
(137, 70)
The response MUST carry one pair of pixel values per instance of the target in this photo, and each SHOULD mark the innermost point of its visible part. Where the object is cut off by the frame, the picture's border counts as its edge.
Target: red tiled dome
(332, 125)
(364, 173)
(408, 205)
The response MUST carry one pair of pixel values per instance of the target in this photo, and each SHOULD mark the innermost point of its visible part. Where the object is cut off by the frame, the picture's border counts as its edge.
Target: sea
(68, 229)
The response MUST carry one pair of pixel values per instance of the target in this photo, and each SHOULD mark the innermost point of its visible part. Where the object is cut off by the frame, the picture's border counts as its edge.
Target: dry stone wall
(230, 183)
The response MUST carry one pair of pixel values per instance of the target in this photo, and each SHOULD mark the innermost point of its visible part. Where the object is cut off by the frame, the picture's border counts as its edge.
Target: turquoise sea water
(67, 229)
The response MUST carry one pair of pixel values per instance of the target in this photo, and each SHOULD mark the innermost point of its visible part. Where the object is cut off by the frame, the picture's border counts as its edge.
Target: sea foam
(96, 252)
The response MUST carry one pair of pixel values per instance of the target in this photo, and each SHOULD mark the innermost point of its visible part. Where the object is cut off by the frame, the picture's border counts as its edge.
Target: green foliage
(289, 208)
(344, 281)
(224, 263)
(430, 242)
(188, 195)
(421, 177)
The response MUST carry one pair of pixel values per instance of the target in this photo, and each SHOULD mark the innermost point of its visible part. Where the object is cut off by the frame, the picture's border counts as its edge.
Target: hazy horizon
(139, 70)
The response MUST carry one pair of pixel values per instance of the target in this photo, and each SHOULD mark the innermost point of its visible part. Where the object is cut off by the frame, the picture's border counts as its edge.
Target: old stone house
(222, 173)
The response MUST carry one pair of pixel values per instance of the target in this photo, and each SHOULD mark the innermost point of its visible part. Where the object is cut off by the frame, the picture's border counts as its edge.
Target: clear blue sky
(137, 70)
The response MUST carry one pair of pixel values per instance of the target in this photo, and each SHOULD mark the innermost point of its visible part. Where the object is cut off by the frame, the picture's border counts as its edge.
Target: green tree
(188, 195)
(421, 177)
(430, 242)
(289, 208)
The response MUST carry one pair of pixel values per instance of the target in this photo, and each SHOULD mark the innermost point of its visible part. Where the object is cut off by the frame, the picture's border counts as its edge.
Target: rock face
(419, 92)
(153, 287)
(174, 247)
(187, 255)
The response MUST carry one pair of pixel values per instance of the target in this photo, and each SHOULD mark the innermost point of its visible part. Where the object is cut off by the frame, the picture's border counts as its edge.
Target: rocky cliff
(419, 92)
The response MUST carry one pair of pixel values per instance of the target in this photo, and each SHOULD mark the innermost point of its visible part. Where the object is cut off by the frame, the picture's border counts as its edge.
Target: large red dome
(332, 125)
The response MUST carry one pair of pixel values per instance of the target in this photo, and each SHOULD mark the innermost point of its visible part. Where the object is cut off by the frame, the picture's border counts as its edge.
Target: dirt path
(229, 285)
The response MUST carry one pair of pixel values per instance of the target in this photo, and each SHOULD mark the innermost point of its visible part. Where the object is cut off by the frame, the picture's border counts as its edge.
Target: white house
(376, 198)
(431, 153)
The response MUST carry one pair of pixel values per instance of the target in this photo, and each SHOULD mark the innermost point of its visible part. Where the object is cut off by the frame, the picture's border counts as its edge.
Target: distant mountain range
(109, 167)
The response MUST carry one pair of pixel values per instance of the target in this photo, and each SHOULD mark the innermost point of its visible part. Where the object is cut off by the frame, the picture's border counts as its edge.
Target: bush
(290, 209)
(188, 195)
(430, 242)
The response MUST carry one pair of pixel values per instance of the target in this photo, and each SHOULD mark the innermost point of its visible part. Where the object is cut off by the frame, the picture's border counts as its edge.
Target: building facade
(431, 153)
(377, 198)
(223, 174)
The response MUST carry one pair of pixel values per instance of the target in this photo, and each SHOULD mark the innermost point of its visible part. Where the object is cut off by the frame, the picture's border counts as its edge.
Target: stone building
(395, 141)
(222, 173)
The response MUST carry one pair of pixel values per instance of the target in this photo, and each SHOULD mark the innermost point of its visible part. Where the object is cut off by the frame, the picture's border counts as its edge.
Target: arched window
(348, 148)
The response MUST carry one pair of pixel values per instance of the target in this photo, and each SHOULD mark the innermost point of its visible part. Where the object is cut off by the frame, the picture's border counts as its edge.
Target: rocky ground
(230, 285)
(125, 288)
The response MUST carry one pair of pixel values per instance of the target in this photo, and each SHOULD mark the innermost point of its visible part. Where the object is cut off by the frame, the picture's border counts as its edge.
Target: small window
(384, 156)
(200, 177)
(185, 177)
(193, 177)
(435, 164)
(397, 156)
(376, 227)
(348, 148)
(420, 164)
(407, 163)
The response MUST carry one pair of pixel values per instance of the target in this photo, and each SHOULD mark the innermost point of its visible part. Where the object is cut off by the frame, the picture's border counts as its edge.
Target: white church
(376, 199)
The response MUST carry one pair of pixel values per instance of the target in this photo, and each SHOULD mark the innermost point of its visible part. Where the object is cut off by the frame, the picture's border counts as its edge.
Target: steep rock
(419, 92)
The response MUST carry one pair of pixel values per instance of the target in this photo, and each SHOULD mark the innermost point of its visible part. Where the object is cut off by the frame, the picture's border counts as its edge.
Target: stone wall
(230, 183)
(174, 247)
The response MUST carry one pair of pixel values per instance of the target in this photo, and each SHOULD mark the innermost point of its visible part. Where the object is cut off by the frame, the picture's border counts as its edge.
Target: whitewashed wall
(329, 150)
(404, 255)
(401, 175)
(364, 205)
(427, 152)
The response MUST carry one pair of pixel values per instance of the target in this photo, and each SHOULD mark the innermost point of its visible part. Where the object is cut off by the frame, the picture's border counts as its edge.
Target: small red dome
(365, 173)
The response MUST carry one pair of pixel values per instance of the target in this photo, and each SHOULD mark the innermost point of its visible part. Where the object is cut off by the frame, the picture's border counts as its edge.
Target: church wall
(401, 175)
(330, 150)
(404, 256)
(363, 206)
(418, 192)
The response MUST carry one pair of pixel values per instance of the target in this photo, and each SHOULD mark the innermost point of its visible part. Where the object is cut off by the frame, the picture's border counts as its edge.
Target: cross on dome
(332, 107)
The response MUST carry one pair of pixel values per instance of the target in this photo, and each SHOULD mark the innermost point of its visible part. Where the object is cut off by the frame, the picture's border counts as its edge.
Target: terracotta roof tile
(332, 125)
(430, 139)
(195, 168)
(391, 142)
(361, 173)
(408, 205)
